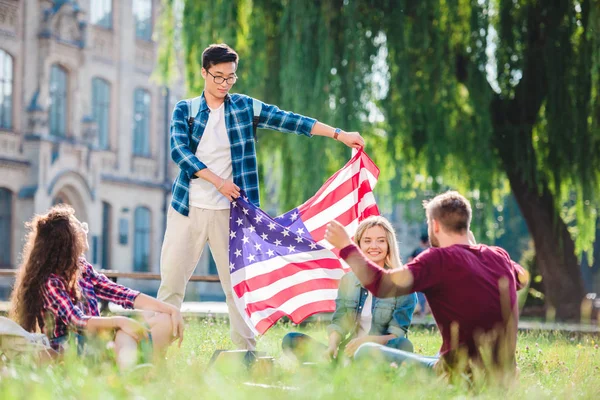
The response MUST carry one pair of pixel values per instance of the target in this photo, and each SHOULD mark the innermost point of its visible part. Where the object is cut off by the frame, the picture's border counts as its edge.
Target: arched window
(141, 123)
(5, 227)
(141, 240)
(58, 101)
(6, 90)
(101, 110)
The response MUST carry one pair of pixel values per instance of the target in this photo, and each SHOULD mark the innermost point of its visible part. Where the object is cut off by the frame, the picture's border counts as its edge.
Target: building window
(142, 12)
(58, 101)
(5, 227)
(6, 90)
(141, 123)
(101, 13)
(101, 110)
(106, 234)
(141, 240)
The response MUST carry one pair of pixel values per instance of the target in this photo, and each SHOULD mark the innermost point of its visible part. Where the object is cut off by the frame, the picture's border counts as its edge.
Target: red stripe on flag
(291, 292)
(297, 315)
(287, 270)
(361, 191)
(365, 162)
(332, 198)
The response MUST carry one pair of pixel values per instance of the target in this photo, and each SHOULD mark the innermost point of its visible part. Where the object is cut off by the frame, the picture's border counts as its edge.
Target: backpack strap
(257, 107)
(194, 107)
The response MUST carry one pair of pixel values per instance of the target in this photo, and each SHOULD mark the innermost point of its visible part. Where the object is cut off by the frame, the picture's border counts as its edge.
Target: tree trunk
(555, 250)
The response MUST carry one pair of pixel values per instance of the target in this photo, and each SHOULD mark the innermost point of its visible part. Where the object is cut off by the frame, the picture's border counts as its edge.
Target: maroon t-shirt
(462, 286)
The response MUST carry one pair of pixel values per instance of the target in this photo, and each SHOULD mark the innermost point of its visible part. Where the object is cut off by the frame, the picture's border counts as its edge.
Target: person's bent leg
(161, 330)
(126, 350)
(377, 352)
(401, 343)
(182, 247)
(218, 239)
(303, 347)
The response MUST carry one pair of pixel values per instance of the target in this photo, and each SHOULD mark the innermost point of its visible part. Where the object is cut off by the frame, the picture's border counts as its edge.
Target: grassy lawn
(551, 366)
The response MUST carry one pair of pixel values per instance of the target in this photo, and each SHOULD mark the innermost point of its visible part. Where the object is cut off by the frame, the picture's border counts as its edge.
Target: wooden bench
(115, 275)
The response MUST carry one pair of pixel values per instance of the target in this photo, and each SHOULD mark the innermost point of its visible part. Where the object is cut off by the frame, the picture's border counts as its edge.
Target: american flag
(283, 266)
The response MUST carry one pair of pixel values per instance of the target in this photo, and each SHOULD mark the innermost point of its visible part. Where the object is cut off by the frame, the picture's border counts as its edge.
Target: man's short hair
(217, 54)
(450, 209)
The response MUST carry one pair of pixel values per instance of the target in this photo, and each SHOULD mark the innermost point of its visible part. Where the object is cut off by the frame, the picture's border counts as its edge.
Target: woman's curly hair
(54, 245)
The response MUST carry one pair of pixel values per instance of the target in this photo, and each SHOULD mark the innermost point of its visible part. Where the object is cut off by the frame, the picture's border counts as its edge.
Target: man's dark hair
(217, 54)
(424, 238)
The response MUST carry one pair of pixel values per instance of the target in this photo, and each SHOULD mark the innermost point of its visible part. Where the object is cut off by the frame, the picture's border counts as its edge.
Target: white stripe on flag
(346, 203)
(294, 303)
(268, 266)
(346, 173)
(305, 276)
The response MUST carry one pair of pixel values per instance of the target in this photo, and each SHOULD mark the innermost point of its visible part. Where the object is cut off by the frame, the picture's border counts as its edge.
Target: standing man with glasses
(215, 151)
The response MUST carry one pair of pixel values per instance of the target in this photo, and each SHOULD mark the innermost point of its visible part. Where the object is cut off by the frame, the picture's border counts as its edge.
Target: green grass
(551, 366)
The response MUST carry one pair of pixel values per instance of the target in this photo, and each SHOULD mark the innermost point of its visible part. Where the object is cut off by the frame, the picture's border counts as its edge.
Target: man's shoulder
(496, 250)
(429, 252)
(240, 100)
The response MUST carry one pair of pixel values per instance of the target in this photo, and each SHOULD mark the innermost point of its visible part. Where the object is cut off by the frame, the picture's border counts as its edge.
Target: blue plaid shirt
(238, 120)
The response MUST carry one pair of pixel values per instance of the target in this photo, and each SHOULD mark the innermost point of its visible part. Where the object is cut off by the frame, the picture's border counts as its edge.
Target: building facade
(82, 122)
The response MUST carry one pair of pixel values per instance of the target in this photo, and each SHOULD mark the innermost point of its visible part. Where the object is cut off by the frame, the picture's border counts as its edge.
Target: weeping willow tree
(487, 91)
(487, 96)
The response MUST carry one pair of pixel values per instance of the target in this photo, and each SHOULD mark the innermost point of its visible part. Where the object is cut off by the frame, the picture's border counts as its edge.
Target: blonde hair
(393, 257)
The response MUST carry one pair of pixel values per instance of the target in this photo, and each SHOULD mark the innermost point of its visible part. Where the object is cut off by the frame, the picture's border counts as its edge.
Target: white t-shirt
(214, 150)
(366, 317)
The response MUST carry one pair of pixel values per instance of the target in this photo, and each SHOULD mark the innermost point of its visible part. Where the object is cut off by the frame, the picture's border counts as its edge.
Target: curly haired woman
(57, 292)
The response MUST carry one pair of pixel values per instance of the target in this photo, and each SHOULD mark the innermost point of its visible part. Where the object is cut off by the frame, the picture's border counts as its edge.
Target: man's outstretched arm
(272, 117)
(380, 282)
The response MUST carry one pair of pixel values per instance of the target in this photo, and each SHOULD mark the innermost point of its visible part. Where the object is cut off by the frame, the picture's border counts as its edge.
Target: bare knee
(160, 321)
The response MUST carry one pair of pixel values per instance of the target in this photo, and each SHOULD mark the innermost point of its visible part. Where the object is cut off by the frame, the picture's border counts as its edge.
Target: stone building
(83, 122)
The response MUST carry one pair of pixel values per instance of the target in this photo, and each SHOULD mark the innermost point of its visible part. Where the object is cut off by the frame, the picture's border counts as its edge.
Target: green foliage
(551, 366)
(449, 93)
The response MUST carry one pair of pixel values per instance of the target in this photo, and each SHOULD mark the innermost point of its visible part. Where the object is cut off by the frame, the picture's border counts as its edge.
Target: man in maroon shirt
(470, 288)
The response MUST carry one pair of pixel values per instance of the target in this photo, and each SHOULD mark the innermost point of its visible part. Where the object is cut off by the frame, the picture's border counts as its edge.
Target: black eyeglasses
(219, 79)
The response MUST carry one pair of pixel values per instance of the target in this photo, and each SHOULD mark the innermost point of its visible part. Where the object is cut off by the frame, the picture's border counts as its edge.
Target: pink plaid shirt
(69, 313)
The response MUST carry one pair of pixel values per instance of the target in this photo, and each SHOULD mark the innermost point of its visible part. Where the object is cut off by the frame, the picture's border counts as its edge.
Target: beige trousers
(183, 244)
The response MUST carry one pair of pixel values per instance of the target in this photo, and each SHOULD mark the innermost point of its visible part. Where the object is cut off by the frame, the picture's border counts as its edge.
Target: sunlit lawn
(551, 366)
